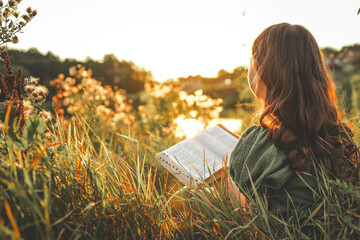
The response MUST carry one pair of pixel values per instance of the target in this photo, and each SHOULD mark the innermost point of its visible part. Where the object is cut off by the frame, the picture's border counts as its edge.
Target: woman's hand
(230, 187)
(234, 190)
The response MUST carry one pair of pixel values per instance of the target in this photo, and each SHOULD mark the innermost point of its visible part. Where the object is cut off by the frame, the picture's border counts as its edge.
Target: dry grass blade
(313, 213)
(12, 219)
(7, 117)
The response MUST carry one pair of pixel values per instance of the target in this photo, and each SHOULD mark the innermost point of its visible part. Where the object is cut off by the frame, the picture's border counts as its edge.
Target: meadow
(85, 167)
(88, 171)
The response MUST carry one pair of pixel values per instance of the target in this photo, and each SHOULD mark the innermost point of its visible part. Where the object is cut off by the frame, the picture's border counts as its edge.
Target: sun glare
(188, 128)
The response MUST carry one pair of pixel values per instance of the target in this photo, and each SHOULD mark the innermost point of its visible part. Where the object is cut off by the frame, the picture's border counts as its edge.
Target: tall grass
(95, 176)
(83, 187)
(82, 191)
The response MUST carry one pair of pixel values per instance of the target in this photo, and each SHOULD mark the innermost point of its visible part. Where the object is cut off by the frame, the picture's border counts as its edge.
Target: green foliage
(33, 131)
(81, 192)
(110, 71)
(94, 187)
(344, 66)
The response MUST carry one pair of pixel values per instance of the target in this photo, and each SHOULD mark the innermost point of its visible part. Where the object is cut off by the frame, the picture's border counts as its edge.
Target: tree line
(344, 65)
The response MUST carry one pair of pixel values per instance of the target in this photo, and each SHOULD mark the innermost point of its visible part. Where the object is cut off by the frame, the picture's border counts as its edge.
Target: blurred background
(192, 46)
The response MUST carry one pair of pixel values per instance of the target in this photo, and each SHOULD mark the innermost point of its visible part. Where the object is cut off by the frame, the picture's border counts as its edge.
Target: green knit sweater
(256, 157)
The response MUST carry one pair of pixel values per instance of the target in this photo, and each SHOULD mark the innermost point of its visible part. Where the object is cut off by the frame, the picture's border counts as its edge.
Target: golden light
(188, 128)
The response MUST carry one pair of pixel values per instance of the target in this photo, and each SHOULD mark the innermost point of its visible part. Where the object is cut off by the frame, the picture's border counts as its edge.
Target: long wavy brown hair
(300, 106)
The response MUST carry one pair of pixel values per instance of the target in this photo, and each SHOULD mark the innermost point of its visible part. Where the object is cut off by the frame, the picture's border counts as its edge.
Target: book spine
(174, 169)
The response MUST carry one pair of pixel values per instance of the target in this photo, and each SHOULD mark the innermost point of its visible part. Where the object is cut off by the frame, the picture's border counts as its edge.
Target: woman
(298, 121)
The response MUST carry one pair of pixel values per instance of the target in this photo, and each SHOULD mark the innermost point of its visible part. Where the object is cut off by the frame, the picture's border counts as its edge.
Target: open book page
(218, 140)
(202, 156)
(194, 158)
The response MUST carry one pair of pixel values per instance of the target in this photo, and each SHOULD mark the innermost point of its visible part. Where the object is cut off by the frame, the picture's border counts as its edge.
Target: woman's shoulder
(254, 133)
(255, 145)
(255, 156)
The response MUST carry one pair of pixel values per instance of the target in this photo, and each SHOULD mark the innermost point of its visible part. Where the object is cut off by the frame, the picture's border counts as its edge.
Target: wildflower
(182, 95)
(198, 92)
(190, 100)
(101, 110)
(193, 113)
(72, 71)
(29, 88)
(46, 115)
(28, 106)
(66, 102)
(41, 91)
(34, 95)
(32, 80)
(70, 81)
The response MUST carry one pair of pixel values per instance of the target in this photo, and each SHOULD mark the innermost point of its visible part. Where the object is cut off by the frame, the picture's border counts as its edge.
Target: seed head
(33, 13)
(6, 13)
(28, 106)
(15, 39)
(35, 95)
(40, 92)
(1, 3)
(29, 88)
(46, 115)
(16, 14)
(11, 3)
(29, 10)
(32, 80)
(25, 17)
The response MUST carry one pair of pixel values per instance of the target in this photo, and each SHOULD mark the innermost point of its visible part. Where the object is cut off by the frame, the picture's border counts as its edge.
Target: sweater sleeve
(256, 158)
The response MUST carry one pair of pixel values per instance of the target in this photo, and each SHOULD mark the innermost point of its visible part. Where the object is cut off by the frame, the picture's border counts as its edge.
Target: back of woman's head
(300, 107)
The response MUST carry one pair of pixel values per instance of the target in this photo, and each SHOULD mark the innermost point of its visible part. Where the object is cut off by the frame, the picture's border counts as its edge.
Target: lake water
(190, 127)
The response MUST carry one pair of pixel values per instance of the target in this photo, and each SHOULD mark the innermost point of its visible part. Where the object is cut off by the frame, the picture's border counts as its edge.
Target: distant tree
(223, 74)
(124, 75)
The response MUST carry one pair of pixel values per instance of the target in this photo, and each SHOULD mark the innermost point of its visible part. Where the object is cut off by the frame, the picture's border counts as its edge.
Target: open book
(195, 160)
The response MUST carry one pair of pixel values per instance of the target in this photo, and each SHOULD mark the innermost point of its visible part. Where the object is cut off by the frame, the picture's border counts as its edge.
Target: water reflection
(190, 127)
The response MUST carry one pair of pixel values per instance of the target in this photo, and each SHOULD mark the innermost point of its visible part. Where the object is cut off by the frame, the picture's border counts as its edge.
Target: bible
(194, 160)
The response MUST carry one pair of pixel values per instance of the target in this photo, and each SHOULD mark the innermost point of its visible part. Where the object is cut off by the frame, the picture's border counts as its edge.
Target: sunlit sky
(183, 37)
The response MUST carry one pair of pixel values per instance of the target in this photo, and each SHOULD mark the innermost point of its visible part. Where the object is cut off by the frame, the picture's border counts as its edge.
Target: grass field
(91, 174)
